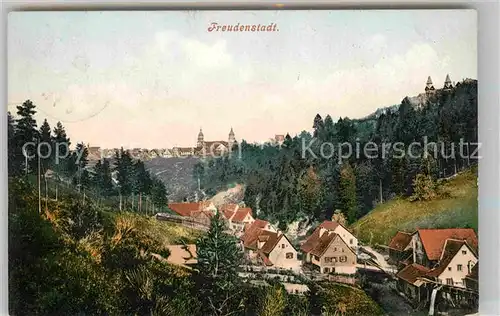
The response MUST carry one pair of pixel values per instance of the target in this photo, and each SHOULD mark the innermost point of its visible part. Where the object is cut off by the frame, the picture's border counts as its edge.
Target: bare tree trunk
(140, 202)
(120, 202)
(39, 188)
(57, 189)
(46, 193)
(380, 191)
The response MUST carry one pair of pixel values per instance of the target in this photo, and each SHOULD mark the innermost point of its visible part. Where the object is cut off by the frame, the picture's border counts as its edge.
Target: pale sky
(152, 79)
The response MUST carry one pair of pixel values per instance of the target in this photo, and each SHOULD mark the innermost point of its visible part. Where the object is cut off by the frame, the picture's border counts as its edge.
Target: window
(343, 259)
(464, 252)
(334, 259)
(449, 281)
(463, 281)
(282, 246)
(334, 248)
(328, 259)
(351, 241)
(459, 267)
(289, 255)
(449, 268)
(326, 270)
(342, 249)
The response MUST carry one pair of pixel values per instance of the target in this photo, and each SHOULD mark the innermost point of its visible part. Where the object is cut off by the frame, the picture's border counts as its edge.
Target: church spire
(201, 140)
(429, 86)
(447, 82)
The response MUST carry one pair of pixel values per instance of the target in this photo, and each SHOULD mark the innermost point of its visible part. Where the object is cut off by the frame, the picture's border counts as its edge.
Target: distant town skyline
(151, 79)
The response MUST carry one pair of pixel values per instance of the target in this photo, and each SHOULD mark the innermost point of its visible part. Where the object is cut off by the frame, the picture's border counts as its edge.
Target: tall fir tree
(348, 192)
(26, 132)
(46, 145)
(219, 257)
(15, 158)
(62, 144)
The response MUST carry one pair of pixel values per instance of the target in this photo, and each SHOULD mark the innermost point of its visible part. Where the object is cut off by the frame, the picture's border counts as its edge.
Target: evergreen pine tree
(15, 158)
(61, 147)
(219, 257)
(46, 145)
(348, 192)
(26, 132)
(318, 126)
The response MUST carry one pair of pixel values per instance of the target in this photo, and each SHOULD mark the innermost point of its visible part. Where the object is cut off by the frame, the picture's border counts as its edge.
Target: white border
(489, 114)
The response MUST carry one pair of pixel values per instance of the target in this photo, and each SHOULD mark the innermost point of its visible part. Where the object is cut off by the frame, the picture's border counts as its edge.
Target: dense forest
(283, 184)
(80, 243)
(121, 182)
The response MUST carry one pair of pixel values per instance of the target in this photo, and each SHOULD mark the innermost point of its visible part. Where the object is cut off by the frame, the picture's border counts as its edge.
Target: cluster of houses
(330, 249)
(432, 260)
(203, 148)
(439, 263)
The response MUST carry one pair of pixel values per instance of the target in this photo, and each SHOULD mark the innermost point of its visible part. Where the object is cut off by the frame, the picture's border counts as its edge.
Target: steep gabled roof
(451, 248)
(241, 213)
(186, 209)
(313, 240)
(400, 241)
(412, 272)
(434, 240)
(252, 232)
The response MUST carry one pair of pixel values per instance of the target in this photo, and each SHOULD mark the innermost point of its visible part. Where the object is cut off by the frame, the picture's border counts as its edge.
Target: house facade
(328, 251)
(400, 248)
(440, 259)
(237, 217)
(265, 245)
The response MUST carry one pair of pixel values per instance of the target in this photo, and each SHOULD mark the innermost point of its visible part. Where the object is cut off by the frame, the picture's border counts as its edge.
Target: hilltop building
(447, 83)
(428, 86)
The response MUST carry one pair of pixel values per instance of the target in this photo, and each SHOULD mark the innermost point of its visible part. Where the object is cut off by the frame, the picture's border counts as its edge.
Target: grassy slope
(460, 209)
(356, 301)
(164, 232)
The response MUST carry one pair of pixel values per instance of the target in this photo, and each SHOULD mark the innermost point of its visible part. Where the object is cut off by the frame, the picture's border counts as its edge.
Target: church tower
(231, 140)
(447, 83)
(429, 87)
(201, 141)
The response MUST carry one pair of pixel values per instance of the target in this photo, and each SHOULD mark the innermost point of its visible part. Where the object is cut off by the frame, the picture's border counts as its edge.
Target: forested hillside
(284, 185)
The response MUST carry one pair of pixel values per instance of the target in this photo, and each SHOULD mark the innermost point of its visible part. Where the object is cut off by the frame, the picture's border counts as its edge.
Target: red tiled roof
(451, 248)
(252, 232)
(313, 240)
(241, 213)
(400, 241)
(434, 240)
(185, 209)
(412, 272)
(323, 243)
(271, 242)
(230, 208)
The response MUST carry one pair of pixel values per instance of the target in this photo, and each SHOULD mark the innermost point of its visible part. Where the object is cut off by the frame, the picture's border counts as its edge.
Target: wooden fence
(183, 220)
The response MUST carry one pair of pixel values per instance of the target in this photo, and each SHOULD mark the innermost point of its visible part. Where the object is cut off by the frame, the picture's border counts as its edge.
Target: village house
(236, 217)
(265, 245)
(400, 248)
(200, 211)
(438, 257)
(331, 249)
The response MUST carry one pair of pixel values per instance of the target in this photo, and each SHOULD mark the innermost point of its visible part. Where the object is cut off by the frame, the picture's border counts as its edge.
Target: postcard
(279, 162)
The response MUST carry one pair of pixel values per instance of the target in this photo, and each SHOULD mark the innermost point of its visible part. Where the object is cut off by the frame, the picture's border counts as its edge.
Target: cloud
(366, 87)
